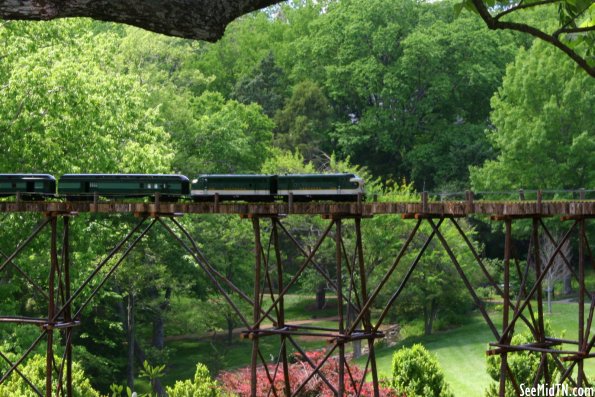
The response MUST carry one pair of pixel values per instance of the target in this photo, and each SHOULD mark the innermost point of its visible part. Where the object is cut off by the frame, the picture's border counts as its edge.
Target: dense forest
(404, 93)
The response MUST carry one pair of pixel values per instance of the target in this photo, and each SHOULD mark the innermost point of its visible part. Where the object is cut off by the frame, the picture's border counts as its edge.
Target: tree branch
(520, 27)
(573, 30)
(523, 6)
(192, 19)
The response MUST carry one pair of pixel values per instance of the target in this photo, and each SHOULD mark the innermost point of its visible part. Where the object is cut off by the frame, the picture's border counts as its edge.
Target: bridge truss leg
(349, 283)
(62, 315)
(348, 291)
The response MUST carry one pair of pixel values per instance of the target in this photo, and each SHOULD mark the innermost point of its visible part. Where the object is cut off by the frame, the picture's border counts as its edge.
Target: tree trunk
(131, 342)
(429, 315)
(568, 284)
(550, 289)
(230, 325)
(321, 296)
(158, 337)
(197, 19)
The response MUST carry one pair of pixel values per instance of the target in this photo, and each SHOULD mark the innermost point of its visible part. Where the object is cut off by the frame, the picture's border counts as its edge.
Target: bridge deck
(578, 208)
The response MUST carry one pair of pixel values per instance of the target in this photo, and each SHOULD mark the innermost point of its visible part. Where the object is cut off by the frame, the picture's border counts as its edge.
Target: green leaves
(416, 372)
(543, 126)
(65, 108)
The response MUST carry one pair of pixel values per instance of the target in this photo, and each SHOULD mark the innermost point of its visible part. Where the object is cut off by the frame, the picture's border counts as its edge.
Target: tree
(559, 270)
(408, 86)
(416, 372)
(542, 126)
(266, 86)
(202, 20)
(48, 85)
(304, 122)
(227, 137)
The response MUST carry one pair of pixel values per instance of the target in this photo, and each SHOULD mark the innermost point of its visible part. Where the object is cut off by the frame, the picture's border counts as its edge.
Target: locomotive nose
(358, 180)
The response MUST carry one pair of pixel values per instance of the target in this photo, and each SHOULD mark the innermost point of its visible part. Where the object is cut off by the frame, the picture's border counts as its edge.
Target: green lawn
(461, 351)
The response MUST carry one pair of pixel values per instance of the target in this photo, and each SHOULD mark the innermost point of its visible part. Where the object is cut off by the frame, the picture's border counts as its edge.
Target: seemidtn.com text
(546, 390)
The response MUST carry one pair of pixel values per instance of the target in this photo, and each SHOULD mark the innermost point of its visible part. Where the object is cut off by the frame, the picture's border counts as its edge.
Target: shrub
(416, 372)
(34, 370)
(237, 383)
(523, 364)
(201, 386)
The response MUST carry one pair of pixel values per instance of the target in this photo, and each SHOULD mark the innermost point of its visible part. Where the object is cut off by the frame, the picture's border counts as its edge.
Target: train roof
(336, 174)
(272, 175)
(45, 177)
(125, 176)
(235, 175)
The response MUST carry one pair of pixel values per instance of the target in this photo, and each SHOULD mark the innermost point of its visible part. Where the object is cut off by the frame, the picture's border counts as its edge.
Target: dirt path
(236, 331)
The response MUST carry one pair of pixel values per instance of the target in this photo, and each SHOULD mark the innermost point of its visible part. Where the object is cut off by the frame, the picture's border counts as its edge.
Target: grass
(461, 351)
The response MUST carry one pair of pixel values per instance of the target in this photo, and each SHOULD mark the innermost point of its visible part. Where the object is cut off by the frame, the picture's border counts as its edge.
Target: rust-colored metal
(256, 312)
(367, 320)
(281, 320)
(349, 283)
(341, 345)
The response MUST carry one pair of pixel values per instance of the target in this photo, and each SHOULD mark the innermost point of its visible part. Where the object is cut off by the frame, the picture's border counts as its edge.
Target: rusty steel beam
(521, 209)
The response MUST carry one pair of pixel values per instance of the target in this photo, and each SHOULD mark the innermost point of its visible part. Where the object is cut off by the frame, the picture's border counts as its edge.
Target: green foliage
(416, 372)
(542, 126)
(304, 122)
(266, 86)
(152, 373)
(523, 365)
(46, 87)
(34, 370)
(409, 87)
(201, 386)
(227, 137)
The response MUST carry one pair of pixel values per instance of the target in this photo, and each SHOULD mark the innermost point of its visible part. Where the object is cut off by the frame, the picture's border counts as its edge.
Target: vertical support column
(506, 308)
(339, 252)
(581, 300)
(281, 305)
(49, 366)
(256, 311)
(539, 295)
(364, 293)
(68, 308)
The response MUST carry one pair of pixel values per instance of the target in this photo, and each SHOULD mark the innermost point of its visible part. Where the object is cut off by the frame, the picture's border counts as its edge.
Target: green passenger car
(86, 186)
(30, 186)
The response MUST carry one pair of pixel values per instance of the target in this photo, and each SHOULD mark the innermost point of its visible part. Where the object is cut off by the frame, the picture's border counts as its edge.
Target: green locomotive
(302, 187)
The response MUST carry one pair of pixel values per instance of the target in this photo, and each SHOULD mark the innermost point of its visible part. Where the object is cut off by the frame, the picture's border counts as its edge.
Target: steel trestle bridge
(520, 304)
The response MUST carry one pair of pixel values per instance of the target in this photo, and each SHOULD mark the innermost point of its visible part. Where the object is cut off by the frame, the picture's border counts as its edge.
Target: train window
(14, 185)
(141, 185)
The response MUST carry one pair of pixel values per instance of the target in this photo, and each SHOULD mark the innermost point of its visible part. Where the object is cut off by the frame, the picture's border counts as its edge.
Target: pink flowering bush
(238, 382)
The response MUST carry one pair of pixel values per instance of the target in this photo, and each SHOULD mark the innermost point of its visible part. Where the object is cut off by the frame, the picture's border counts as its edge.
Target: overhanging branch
(192, 19)
(495, 24)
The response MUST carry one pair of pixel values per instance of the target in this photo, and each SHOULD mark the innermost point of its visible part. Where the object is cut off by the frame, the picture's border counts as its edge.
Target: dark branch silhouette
(193, 19)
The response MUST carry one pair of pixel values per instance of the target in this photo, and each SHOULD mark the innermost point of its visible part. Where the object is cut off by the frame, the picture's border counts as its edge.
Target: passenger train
(173, 187)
